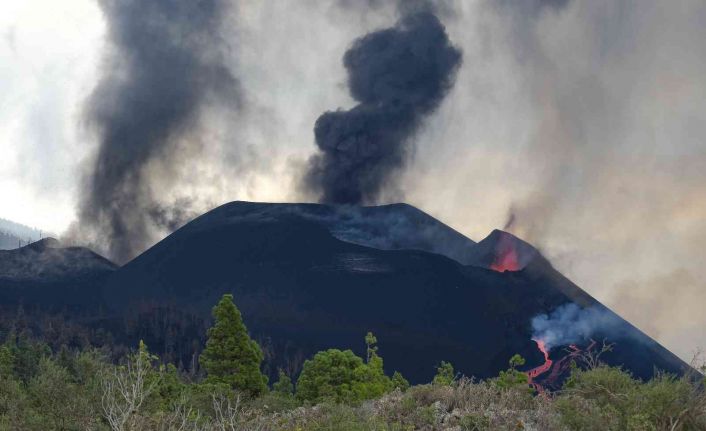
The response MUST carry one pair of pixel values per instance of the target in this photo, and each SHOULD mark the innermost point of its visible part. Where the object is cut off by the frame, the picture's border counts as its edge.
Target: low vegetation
(336, 390)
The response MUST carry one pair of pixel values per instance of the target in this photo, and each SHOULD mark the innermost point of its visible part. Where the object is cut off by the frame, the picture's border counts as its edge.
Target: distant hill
(47, 275)
(14, 235)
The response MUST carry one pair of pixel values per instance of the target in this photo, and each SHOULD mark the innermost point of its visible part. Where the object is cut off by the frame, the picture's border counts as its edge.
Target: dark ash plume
(165, 63)
(398, 76)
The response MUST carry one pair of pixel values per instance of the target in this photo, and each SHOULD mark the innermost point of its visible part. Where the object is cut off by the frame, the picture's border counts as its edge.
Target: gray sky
(584, 119)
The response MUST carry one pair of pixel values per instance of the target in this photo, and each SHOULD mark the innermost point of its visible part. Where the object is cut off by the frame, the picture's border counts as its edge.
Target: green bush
(610, 398)
(329, 376)
(343, 377)
(445, 374)
(512, 377)
(284, 384)
(399, 382)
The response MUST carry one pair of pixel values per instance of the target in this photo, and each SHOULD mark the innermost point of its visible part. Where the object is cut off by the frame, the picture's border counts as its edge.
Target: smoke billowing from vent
(165, 63)
(398, 75)
(570, 324)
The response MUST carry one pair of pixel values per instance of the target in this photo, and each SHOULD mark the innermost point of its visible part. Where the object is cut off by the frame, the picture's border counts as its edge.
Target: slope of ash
(386, 227)
(47, 260)
(46, 274)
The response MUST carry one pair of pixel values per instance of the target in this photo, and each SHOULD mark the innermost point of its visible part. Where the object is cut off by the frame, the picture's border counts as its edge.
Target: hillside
(14, 235)
(303, 285)
(45, 274)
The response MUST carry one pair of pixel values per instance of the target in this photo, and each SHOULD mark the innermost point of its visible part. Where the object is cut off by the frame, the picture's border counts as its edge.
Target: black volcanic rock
(386, 227)
(48, 260)
(45, 273)
(310, 277)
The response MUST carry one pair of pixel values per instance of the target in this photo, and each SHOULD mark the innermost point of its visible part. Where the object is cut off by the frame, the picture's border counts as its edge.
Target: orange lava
(555, 369)
(506, 258)
(546, 366)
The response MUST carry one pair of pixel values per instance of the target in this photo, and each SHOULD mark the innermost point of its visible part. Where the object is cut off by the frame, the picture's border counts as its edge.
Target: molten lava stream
(546, 366)
(555, 369)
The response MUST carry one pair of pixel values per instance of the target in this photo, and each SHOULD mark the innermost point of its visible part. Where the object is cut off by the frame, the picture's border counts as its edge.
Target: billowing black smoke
(398, 75)
(165, 62)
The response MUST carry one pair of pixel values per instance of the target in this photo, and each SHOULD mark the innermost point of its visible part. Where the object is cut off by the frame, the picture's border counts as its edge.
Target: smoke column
(398, 76)
(570, 324)
(164, 64)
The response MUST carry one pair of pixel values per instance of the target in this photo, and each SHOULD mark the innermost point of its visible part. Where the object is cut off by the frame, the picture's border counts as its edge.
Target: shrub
(512, 377)
(444, 374)
(399, 382)
(284, 384)
(329, 375)
(343, 377)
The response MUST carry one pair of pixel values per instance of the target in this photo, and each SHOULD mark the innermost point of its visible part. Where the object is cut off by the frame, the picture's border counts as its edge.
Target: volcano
(309, 277)
(502, 251)
(49, 275)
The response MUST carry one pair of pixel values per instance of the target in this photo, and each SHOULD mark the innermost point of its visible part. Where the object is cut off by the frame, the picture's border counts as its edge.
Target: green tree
(13, 403)
(170, 388)
(343, 377)
(231, 356)
(399, 382)
(371, 342)
(7, 361)
(59, 403)
(512, 377)
(284, 384)
(445, 374)
(329, 375)
(127, 388)
(370, 379)
(516, 361)
(26, 354)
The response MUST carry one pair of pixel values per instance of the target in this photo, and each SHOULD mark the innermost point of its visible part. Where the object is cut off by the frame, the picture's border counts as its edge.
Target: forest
(42, 388)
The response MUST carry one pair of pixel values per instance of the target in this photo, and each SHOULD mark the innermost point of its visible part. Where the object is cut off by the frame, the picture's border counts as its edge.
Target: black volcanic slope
(309, 277)
(47, 274)
(47, 260)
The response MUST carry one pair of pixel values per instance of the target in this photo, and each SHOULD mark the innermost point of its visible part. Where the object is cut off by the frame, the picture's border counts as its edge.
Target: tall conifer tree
(231, 356)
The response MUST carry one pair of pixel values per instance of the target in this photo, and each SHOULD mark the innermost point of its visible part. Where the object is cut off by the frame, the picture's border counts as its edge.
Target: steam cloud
(398, 75)
(167, 62)
(570, 324)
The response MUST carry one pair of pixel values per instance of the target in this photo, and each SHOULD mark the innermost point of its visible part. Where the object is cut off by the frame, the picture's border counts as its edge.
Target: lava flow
(546, 366)
(555, 369)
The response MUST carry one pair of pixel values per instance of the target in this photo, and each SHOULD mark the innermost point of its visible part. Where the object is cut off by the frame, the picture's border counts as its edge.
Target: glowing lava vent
(506, 258)
(502, 251)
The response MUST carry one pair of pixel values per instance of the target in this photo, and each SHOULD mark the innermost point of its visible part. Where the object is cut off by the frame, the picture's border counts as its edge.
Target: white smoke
(569, 324)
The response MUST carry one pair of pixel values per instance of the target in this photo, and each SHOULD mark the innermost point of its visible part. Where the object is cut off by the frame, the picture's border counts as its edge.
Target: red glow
(546, 366)
(506, 261)
(537, 371)
(506, 258)
(556, 368)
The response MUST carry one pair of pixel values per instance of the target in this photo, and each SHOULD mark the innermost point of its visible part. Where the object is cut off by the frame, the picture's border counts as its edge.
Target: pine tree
(231, 357)
(284, 384)
(399, 382)
(445, 375)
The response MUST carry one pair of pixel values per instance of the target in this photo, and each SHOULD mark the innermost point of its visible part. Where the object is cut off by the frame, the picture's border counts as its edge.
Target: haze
(584, 120)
